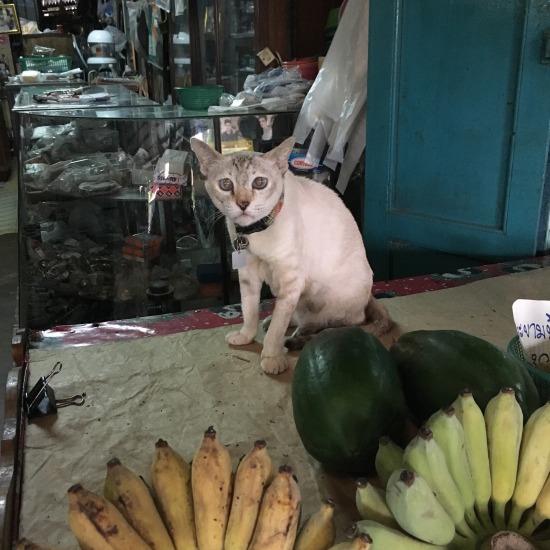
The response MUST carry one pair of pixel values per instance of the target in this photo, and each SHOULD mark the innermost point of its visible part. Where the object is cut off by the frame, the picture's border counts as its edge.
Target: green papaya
(435, 365)
(346, 394)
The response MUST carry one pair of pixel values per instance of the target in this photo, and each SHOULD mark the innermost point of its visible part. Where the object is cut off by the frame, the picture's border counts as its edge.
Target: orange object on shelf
(307, 67)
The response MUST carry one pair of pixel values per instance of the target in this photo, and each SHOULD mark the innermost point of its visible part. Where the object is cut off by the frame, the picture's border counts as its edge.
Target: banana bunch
(467, 478)
(202, 505)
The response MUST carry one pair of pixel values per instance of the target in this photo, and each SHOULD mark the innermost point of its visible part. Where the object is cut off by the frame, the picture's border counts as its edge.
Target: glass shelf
(153, 112)
(118, 96)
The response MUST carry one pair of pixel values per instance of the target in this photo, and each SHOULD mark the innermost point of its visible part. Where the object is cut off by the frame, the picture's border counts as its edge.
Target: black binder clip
(40, 400)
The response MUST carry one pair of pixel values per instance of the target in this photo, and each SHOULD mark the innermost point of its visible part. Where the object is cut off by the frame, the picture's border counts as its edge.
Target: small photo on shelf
(9, 22)
(232, 139)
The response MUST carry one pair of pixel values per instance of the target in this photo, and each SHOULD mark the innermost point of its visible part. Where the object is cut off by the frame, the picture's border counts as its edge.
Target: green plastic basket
(541, 378)
(199, 98)
(46, 64)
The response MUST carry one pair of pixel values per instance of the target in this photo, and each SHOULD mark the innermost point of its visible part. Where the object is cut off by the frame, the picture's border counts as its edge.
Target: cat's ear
(280, 154)
(206, 155)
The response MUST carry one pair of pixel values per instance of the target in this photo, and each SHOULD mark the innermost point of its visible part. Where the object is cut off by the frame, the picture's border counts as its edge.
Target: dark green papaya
(346, 394)
(435, 365)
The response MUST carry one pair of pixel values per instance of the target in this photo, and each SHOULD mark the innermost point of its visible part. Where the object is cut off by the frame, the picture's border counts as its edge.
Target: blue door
(458, 117)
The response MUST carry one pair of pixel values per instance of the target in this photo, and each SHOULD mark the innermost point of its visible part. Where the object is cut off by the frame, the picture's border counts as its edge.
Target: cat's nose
(243, 205)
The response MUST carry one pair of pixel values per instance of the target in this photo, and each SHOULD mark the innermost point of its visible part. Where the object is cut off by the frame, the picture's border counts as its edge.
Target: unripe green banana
(425, 457)
(129, 493)
(449, 435)
(319, 531)
(386, 538)
(534, 464)
(504, 422)
(371, 503)
(417, 510)
(99, 525)
(477, 452)
(171, 482)
(541, 511)
(388, 458)
(211, 479)
(279, 515)
(254, 473)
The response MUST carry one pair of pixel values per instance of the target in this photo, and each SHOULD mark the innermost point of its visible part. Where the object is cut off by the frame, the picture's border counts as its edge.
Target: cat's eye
(225, 184)
(259, 183)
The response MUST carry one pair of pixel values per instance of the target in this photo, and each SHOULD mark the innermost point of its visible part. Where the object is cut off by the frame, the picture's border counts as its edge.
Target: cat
(299, 238)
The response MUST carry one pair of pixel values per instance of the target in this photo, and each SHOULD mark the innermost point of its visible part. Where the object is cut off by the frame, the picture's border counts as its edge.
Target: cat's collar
(241, 241)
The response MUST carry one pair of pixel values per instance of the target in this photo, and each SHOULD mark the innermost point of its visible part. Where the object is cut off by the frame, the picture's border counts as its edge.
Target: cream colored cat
(298, 237)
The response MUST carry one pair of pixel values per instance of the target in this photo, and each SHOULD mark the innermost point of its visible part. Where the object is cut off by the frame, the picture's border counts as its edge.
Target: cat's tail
(377, 322)
(378, 319)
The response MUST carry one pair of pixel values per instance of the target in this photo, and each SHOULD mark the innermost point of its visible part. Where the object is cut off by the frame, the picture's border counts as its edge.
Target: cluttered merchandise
(204, 358)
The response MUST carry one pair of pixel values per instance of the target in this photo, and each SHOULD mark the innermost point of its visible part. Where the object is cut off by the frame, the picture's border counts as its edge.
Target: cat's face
(245, 187)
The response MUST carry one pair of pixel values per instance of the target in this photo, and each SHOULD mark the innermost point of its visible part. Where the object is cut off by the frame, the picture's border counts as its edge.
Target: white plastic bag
(335, 105)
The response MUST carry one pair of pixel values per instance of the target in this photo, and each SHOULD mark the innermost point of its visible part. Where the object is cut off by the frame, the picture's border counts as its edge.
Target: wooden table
(11, 445)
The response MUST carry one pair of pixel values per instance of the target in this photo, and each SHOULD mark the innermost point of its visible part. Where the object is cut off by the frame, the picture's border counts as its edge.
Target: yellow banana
(371, 503)
(386, 538)
(417, 510)
(534, 464)
(319, 531)
(254, 473)
(425, 457)
(129, 493)
(211, 481)
(279, 515)
(171, 481)
(541, 511)
(477, 452)
(449, 435)
(504, 422)
(98, 525)
(388, 458)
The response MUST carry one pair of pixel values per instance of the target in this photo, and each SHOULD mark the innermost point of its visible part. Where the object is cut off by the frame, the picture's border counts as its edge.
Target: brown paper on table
(174, 387)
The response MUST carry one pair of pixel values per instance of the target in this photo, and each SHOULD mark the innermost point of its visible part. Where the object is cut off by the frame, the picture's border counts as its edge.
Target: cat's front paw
(238, 338)
(274, 365)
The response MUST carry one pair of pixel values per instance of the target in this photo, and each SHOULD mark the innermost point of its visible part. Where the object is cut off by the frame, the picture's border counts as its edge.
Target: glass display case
(114, 220)
(222, 38)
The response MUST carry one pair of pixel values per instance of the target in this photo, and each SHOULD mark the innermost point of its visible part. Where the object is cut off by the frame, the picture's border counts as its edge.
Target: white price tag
(532, 319)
